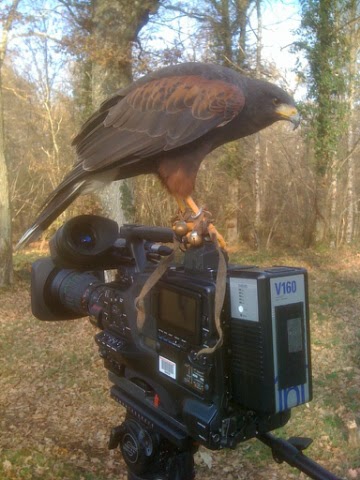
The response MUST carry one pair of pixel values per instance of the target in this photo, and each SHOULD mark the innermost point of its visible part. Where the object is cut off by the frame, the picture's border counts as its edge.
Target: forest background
(280, 197)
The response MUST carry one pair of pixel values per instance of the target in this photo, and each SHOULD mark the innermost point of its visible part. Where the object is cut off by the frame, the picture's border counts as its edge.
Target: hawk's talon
(198, 224)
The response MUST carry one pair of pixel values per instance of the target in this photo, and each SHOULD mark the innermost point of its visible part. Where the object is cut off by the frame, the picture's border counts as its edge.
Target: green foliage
(127, 204)
(325, 47)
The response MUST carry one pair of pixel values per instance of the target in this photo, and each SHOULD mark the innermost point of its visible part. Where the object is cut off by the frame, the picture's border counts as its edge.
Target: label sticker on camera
(167, 367)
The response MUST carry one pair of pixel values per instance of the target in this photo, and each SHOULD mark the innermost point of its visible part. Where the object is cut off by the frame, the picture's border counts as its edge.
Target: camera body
(245, 388)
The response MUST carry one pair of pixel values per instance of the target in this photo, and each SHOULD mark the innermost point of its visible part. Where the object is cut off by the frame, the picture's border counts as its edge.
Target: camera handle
(290, 451)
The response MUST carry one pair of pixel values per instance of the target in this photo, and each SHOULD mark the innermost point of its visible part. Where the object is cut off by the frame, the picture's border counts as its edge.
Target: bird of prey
(165, 123)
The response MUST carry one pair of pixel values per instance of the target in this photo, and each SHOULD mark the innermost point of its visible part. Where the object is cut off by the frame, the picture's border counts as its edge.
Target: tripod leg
(182, 466)
(179, 466)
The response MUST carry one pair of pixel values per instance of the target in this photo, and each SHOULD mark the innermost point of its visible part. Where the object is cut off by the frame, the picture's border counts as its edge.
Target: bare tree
(39, 117)
(227, 21)
(354, 37)
(257, 152)
(6, 272)
(111, 28)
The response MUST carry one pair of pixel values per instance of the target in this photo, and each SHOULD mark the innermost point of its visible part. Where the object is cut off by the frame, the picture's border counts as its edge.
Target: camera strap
(219, 299)
(220, 290)
(151, 282)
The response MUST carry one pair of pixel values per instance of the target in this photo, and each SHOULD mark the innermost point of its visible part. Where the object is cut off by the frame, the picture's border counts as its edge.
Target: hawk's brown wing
(157, 116)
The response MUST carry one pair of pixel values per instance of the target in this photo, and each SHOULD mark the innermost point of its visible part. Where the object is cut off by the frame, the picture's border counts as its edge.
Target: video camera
(177, 397)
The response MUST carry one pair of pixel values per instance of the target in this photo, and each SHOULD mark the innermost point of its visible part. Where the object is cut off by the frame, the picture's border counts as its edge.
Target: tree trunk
(350, 199)
(350, 193)
(333, 217)
(242, 7)
(6, 266)
(6, 272)
(116, 25)
(257, 159)
(232, 228)
(257, 193)
(237, 57)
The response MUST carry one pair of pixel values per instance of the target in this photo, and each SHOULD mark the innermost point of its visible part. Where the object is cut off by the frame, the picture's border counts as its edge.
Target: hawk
(165, 123)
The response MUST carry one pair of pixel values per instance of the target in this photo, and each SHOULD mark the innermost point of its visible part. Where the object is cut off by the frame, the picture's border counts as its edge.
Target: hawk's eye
(276, 101)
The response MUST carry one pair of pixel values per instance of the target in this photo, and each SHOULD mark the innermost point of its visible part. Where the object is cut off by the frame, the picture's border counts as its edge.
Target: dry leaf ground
(56, 413)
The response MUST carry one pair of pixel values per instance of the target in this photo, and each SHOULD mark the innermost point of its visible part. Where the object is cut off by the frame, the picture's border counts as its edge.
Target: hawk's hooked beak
(290, 113)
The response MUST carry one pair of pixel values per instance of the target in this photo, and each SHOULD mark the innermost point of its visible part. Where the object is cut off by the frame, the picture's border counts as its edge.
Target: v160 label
(283, 288)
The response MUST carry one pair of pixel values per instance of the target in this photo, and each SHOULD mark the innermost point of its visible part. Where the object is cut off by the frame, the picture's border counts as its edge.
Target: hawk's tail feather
(55, 205)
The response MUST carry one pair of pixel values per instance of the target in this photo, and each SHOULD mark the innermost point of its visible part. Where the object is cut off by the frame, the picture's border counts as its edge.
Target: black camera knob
(138, 446)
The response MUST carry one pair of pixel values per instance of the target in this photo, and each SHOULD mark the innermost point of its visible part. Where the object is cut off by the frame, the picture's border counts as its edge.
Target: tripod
(150, 456)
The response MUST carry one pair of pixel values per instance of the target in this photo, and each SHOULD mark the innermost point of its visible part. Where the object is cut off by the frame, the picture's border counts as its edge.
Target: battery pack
(269, 337)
